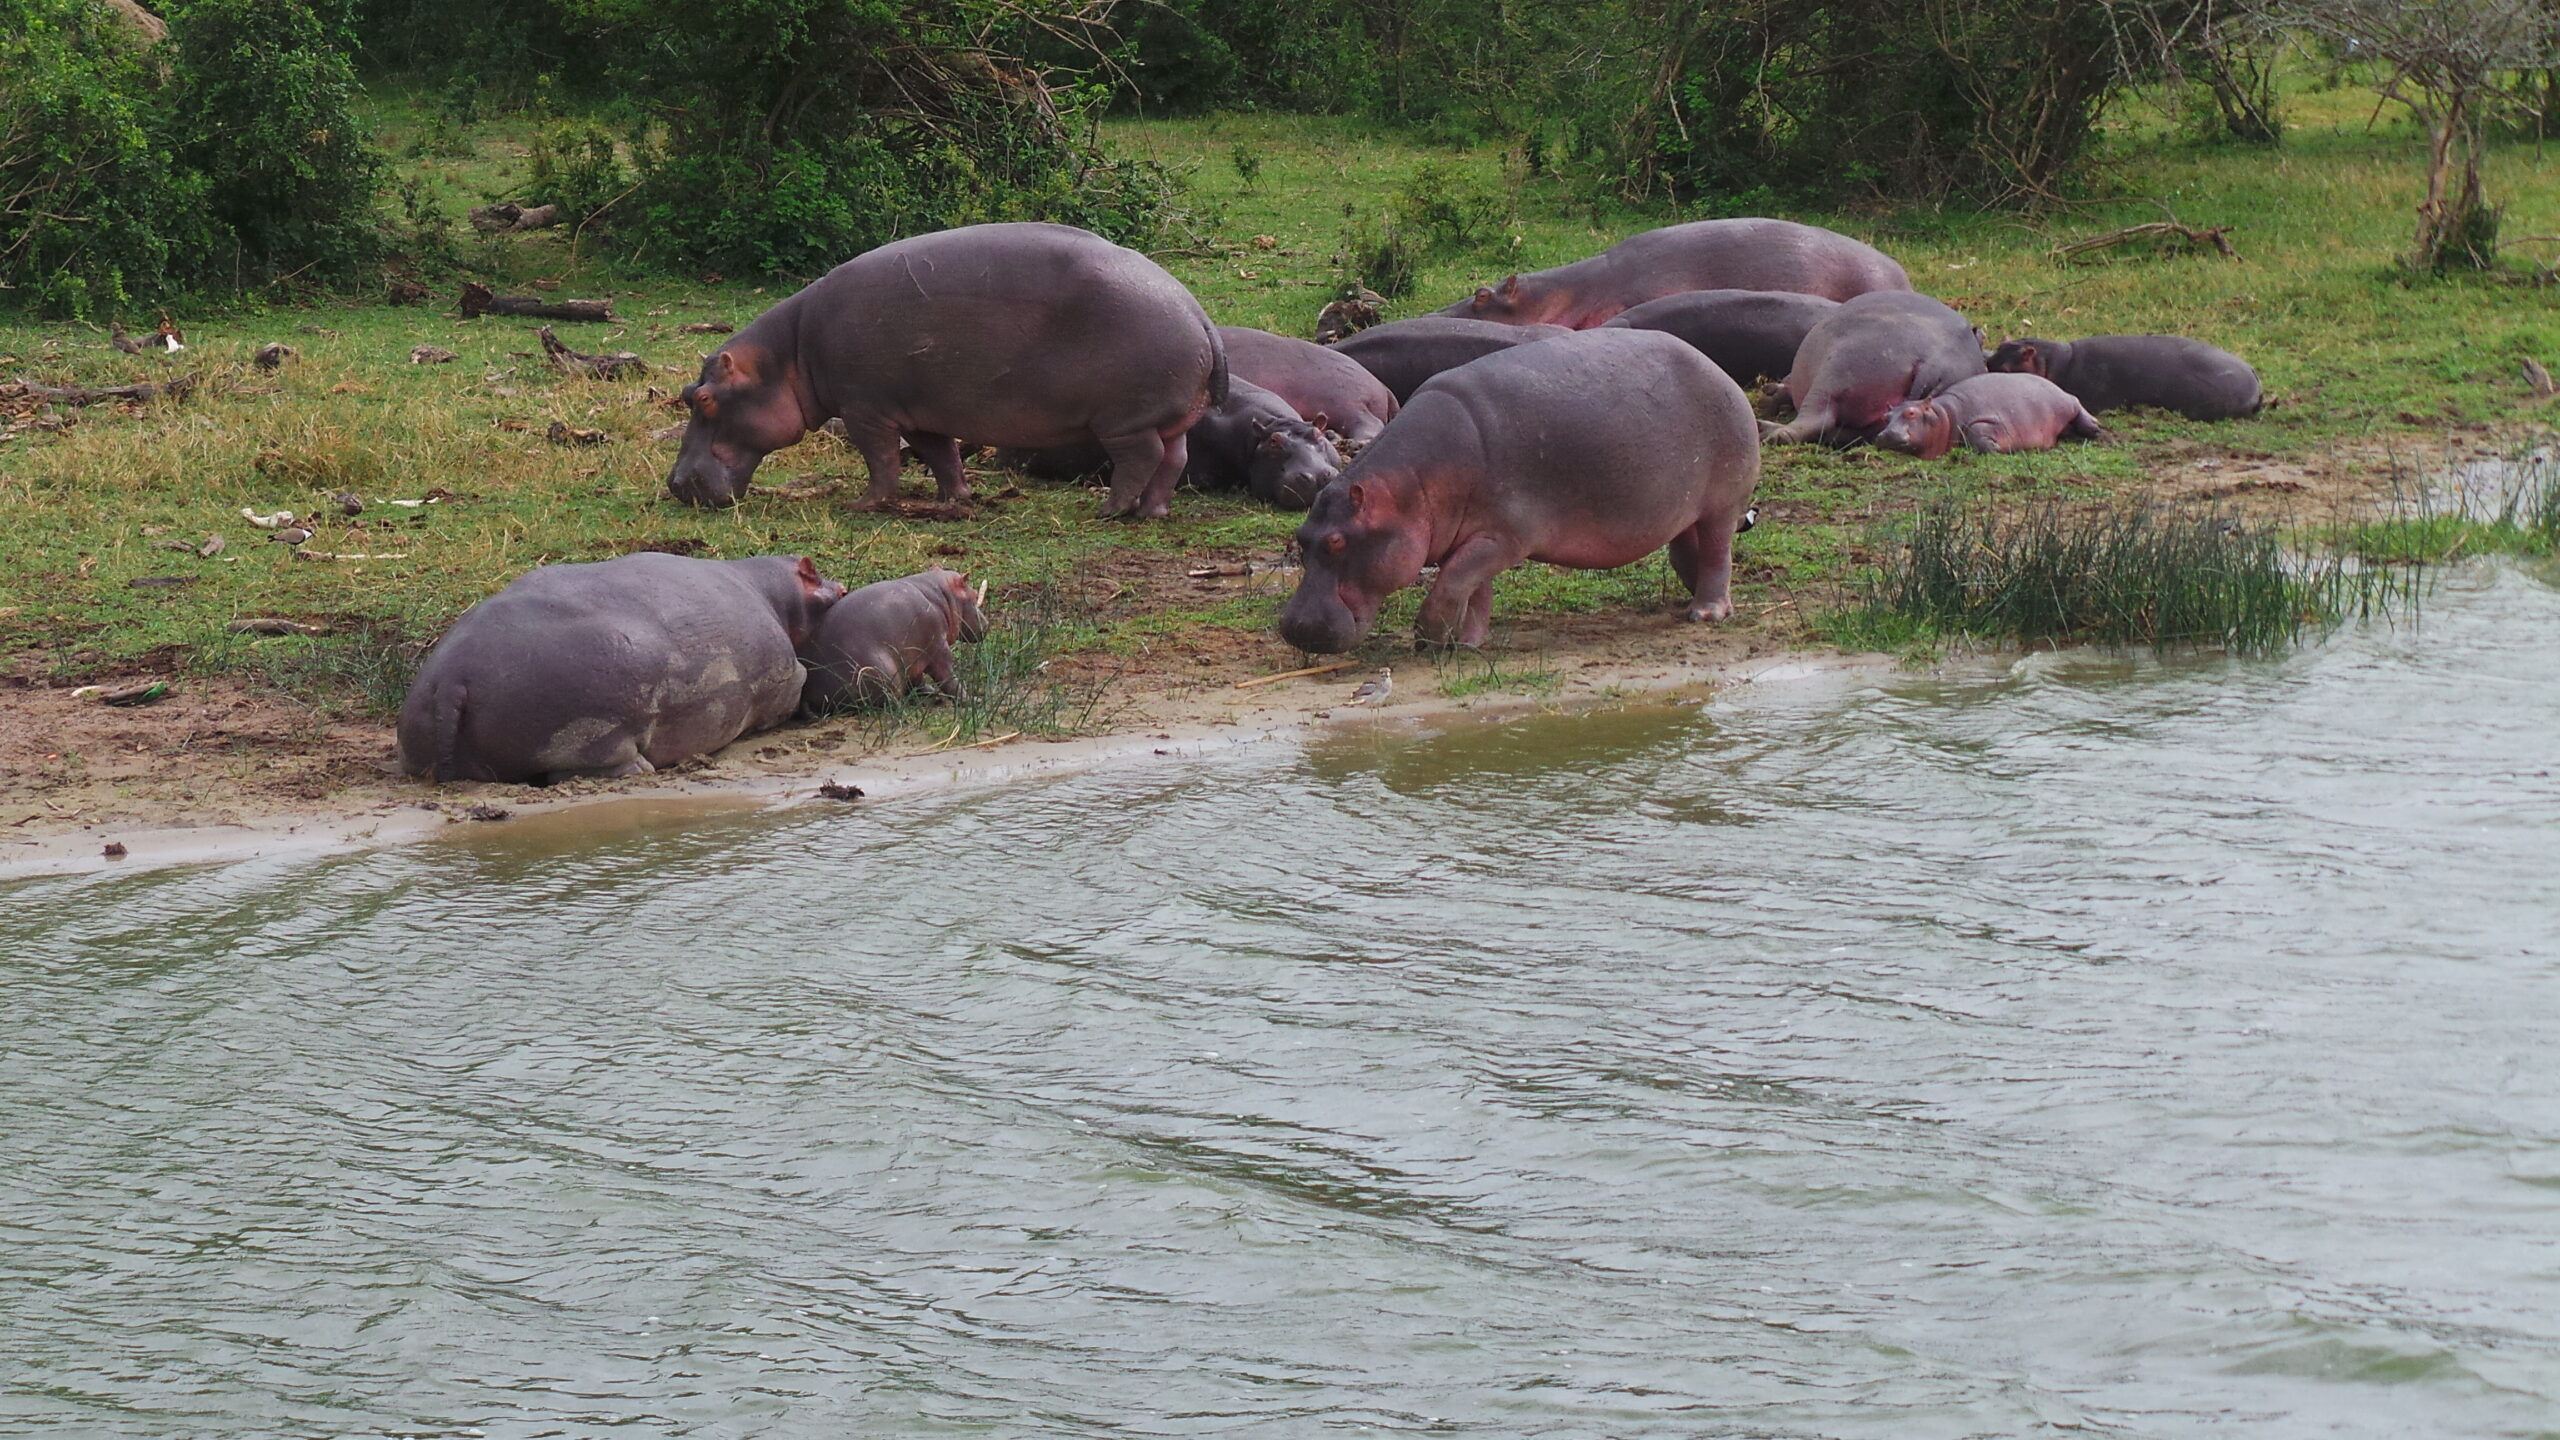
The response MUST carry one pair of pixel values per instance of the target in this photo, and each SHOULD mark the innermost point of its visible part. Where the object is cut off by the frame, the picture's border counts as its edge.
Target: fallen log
(82, 395)
(603, 367)
(509, 218)
(478, 300)
(2169, 231)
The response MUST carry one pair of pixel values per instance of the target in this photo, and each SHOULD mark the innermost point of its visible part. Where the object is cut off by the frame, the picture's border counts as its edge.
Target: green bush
(94, 213)
(578, 168)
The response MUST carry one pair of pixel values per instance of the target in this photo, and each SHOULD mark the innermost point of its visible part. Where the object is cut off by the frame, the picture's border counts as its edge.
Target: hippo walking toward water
(1327, 388)
(1994, 414)
(615, 668)
(1590, 452)
(1027, 335)
(1404, 354)
(2116, 372)
(1700, 255)
(1752, 335)
(877, 643)
(1868, 356)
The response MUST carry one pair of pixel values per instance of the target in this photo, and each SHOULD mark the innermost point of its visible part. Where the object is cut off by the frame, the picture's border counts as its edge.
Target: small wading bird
(1375, 692)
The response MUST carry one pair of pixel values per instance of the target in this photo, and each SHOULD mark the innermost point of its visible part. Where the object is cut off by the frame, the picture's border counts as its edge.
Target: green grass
(2107, 574)
(2504, 507)
(2352, 353)
(1463, 674)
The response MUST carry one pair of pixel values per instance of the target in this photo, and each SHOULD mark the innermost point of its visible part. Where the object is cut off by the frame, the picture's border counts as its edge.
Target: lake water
(2089, 1044)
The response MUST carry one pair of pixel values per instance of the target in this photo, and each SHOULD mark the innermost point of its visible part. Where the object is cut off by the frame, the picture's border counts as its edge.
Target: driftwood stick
(79, 395)
(1294, 674)
(478, 301)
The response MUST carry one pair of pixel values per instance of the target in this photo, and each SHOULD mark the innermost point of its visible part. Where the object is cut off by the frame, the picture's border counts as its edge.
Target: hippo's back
(1754, 254)
(1404, 354)
(1312, 378)
(1890, 329)
(1749, 334)
(2171, 372)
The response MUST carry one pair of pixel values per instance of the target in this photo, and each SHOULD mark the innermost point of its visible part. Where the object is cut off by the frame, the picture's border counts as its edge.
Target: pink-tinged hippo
(1701, 255)
(1751, 335)
(1404, 354)
(615, 668)
(1995, 414)
(1326, 387)
(1027, 335)
(1590, 452)
(2117, 372)
(879, 642)
(1866, 357)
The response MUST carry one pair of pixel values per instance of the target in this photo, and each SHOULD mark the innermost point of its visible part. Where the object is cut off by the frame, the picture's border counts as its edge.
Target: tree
(2445, 61)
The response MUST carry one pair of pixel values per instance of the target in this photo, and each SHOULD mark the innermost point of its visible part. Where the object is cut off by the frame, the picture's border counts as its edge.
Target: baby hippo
(1995, 414)
(877, 642)
(616, 668)
(2112, 372)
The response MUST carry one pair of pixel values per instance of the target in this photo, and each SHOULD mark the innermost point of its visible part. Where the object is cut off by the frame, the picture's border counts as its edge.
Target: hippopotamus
(1700, 255)
(1751, 334)
(614, 668)
(1327, 388)
(1250, 439)
(1020, 334)
(1590, 452)
(1874, 352)
(2113, 372)
(1995, 414)
(876, 643)
(1405, 353)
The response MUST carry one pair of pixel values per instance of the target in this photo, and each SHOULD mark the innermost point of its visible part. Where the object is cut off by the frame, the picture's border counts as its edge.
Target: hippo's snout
(704, 477)
(1316, 621)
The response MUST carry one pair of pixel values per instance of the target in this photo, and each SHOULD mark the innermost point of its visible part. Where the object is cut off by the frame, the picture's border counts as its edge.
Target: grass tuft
(2502, 507)
(2128, 573)
(1464, 673)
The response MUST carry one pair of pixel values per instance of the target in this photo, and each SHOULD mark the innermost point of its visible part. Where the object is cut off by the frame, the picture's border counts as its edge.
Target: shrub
(577, 168)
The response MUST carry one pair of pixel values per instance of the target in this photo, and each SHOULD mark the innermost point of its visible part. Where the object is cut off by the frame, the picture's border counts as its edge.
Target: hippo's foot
(1720, 608)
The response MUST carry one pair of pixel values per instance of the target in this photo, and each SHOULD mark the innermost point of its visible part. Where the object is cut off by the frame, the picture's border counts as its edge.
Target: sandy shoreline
(1185, 727)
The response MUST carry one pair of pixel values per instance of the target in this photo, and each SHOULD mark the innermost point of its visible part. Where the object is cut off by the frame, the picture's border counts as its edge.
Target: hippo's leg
(635, 764)
(1813, 418)
(1985, 437)
(937, 668)
(1159, 497)
(879, 447)
(1702, 556)
(941, 455)
(1135, 459)
(1450, 613)
(2085, 426)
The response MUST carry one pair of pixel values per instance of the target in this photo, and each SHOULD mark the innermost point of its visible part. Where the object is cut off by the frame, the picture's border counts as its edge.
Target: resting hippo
(616, 668)
(1325, 387)
(876, 643)
(1590, 452)
(1250, 439)
(2113, 372)
(1995, 414)
(1751, 334)
(1405, 353)
(1868, 356)
(1027, 334)
(1701, 255)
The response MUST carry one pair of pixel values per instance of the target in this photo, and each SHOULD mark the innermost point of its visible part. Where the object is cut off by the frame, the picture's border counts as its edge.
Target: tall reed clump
(1005, 684)
(2130, 573)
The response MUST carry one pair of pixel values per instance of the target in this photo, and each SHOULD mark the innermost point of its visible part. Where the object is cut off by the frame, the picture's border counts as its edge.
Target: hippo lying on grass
(877, 643)
(615, 668)
(1326, 387)
(1994, 414)
(1251, 439)
(1405, 354)
(2116, 372)
(1868, 356)
(1590, 452)
(1701, 255)
(1026, 335)
(1752, 335)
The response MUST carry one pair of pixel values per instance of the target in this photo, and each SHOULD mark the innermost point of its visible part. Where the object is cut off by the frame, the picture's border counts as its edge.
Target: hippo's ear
(1261, 427)
(808, 571)
(1511, 287)
(728, 369)
(1321, 421)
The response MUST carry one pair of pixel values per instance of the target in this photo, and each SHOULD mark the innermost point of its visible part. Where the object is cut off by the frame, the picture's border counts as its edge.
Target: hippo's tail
(444, 732)
(1217, 362)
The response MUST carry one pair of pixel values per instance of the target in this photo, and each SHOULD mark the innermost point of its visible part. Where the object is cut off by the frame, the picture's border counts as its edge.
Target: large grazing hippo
(1701, 255)
(878, 642)
(1403, 354)
(1868, 356)
(1326, 387)
(1023, 335)
(2114, 372)
(1591, 452)
(1251, 439)
(1995, 414)
(615, 668)
(1752, 335)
